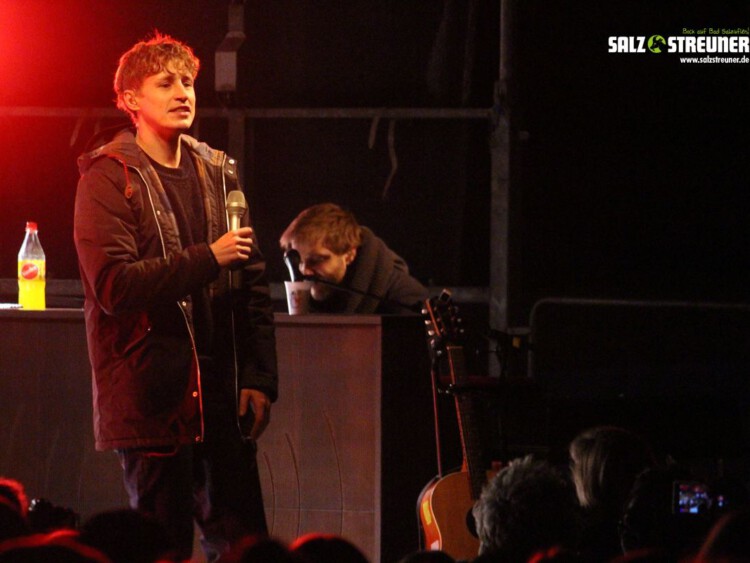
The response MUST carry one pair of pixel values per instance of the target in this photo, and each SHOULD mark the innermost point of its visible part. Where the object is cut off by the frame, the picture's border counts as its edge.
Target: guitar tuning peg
(430, 333)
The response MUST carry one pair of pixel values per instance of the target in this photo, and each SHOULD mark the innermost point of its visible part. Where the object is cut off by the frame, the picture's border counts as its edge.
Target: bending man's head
(326, 237)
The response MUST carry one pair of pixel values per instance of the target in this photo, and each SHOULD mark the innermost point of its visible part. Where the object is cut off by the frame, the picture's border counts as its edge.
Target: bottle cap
(31, 226)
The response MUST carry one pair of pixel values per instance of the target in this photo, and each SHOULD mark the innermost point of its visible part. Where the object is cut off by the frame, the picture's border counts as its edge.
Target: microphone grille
(236, 200)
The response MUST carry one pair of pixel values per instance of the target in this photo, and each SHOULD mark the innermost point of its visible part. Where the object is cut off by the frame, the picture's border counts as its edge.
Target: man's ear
(350, 255)
(131, 100)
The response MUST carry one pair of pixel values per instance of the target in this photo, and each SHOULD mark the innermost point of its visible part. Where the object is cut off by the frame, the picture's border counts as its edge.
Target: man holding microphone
(178, 311)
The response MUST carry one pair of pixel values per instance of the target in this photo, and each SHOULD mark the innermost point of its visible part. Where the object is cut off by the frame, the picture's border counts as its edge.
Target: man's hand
(233, 248)
(258, 403)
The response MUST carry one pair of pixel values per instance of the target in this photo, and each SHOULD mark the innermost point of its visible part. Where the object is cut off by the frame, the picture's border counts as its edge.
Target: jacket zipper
(179, 303)
(234, 331)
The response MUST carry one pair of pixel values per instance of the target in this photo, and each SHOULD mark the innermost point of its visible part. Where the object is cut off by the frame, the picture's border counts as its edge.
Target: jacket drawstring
(128, 185)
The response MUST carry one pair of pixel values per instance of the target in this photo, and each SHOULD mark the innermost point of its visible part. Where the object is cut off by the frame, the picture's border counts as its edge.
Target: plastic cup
(298, 297)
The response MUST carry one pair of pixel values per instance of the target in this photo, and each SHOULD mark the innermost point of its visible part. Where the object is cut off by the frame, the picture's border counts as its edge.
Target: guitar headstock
(443, 324)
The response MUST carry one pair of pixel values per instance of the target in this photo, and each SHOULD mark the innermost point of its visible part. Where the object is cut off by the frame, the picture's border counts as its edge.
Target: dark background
(629, 171)
(635, 175)
(629, 178)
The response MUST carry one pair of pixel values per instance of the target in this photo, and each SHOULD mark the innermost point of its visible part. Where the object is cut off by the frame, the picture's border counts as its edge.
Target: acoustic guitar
(445, 503)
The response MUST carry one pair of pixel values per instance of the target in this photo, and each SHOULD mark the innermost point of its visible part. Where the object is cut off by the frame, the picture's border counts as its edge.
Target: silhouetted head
(650, 521)
(605, 461)
(127, 536)
(528, 506)
(324, 548)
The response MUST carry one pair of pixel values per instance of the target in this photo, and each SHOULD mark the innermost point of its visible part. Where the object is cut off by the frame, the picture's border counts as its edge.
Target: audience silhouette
(556, 554)
(605, 461)
(62, 546)
(128, 536)
(617, 505)
(729, 539)
(427, 557)
(260, 549)
(526, 507)
(325, 548)
(650, 520)
(14, 508)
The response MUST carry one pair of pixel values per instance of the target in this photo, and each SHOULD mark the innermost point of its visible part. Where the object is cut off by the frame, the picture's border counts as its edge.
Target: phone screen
(690, 497)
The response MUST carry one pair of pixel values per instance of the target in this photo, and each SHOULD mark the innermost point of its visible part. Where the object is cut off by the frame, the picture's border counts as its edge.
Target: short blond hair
(149, 57)
(329, 223)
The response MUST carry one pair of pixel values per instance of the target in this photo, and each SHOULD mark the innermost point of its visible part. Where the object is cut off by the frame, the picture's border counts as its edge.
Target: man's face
(165, 102)
(319, 261)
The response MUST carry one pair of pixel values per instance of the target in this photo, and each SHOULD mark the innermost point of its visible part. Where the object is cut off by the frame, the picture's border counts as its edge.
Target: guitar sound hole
(471, 524)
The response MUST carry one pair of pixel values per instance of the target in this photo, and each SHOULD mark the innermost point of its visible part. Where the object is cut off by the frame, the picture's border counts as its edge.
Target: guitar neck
(467, 420)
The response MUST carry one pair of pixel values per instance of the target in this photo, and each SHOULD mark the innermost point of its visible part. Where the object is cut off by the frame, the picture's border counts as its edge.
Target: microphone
(292, 260)
(236, 207)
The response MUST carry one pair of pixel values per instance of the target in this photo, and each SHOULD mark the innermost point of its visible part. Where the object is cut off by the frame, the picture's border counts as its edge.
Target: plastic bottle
(32, 270)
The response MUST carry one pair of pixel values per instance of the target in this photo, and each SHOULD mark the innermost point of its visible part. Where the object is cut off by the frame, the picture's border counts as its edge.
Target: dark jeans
(215, 483)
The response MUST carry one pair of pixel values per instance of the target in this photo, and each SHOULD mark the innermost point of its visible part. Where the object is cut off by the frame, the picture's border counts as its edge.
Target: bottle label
(29, 271)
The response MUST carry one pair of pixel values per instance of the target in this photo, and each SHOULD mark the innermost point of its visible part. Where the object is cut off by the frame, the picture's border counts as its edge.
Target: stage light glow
(24, 45)
(40, 50)
(10, 41)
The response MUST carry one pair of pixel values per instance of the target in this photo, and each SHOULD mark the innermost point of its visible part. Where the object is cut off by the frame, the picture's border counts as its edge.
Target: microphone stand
(316, 279)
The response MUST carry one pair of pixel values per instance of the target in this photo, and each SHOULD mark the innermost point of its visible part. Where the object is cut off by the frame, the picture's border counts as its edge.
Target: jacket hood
(115, 142)
(119, 143)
